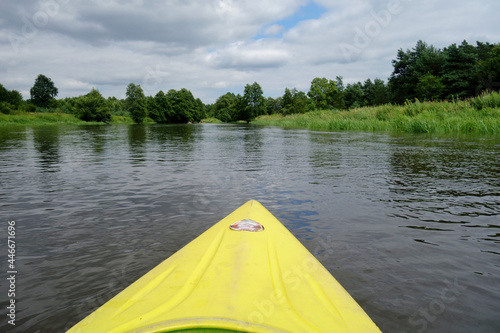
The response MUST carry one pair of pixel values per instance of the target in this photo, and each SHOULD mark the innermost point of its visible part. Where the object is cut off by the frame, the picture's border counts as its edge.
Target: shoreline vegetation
(480, 115)
(453, 90)
(57, 118)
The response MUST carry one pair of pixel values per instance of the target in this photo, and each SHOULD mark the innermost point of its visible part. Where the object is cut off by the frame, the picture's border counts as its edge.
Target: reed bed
(480, 115)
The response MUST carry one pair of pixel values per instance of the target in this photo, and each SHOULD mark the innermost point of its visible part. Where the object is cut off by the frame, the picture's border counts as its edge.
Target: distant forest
(424, 73)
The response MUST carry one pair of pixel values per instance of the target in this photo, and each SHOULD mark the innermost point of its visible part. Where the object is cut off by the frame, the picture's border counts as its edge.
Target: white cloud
(252, 56)
(209, 46)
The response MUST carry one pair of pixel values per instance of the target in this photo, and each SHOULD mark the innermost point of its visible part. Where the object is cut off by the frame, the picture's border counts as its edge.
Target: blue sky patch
(308, 12)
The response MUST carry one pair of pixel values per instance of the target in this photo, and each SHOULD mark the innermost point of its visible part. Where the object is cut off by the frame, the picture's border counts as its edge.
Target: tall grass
(456, 117)
(491, 100)
(30, 119)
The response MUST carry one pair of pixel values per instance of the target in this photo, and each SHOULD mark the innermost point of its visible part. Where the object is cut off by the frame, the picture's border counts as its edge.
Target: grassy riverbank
(477, 116)
(29, 119)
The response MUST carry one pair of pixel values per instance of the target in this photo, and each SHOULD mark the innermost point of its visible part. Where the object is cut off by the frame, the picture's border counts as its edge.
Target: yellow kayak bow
(247, 273)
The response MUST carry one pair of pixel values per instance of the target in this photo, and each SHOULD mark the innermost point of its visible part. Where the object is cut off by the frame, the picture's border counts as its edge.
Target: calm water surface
(409, 225)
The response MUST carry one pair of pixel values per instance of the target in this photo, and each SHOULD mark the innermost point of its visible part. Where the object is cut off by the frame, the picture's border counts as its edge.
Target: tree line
(424, 73)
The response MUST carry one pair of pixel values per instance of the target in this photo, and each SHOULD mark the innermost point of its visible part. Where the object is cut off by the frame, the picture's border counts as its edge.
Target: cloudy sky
(214, 46)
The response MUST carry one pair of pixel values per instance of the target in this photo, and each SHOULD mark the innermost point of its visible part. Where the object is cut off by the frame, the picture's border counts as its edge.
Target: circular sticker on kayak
(247, 225)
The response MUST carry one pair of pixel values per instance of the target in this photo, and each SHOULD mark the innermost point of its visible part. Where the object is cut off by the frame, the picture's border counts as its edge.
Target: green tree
(224, 108)
(184, 106)
(161, 109)
(429, 87)
(294, 101)
(354, 95)
(287, 102)
(15, 98)
(273, 105)
(254, 102)
(410, 66)
(320, 88)
(12, 97)
(489, 70)
(460, 76)
(327, 94)
(68, 104)
(199, 111)
(117, 106)
(338, 100)
(43, 91)
(93, 107)
(4, 93)
(136, 103)
(375, 93)
(6, 105)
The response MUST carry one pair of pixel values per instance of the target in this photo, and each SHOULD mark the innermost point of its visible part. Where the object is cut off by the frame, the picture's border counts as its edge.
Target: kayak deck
(247, 273)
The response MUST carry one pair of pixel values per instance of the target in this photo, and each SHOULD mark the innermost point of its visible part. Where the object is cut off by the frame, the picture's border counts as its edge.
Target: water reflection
(390, 217)
(46, 142)
(11, 138)
(137, 138)
(325, 156)
(439, 183)
(97, 137)
(252, 142)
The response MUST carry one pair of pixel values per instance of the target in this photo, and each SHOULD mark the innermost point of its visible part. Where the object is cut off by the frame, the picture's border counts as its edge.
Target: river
(408, 224)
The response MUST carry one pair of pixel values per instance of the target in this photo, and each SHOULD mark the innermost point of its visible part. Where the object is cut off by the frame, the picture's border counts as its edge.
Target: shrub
(93, 107)
(6, 108)
(30, 108)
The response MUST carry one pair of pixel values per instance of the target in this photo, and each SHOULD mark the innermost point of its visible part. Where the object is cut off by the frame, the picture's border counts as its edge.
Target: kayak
(247, 273)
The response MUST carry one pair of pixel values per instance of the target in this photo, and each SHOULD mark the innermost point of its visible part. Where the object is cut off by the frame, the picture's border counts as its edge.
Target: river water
(409, 225)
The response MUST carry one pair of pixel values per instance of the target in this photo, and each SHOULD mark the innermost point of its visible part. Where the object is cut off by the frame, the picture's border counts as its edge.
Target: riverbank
(458, 117)
(58, 118)
(30, 119)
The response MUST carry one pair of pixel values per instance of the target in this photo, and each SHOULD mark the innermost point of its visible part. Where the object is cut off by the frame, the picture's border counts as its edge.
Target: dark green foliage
(254, 103)
(410, 66)
(10, 100)
(6, 108)
(460, 76)
(375, 93)
(354, 95)
(429, 87)
(93, 107)
(489, 69)
(68, 105)
(160, 109)
(43, 91)
(3, 94)
(273, 105)
(30, 108)
(117, 106)
(368, 94)
(199, 112)
(135, 103)
(225, 108)
(294, 101)
(15, 98)
(458, 71)
(184, 107)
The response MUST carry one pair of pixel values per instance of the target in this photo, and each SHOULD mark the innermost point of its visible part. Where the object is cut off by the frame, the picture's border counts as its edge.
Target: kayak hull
(247, 273)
